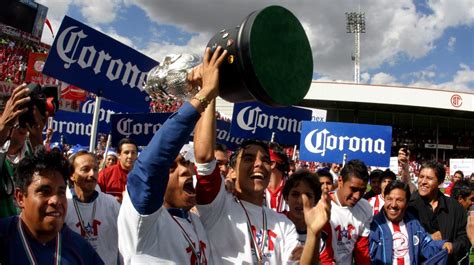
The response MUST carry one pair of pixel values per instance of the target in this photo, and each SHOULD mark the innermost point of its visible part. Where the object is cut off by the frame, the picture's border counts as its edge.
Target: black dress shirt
(449, 218)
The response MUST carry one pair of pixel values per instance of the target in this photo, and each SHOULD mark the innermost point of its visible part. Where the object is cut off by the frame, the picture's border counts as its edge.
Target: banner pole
(107, 147)
(344, 160)
(95, 123)
(273, 137)
(294, 153)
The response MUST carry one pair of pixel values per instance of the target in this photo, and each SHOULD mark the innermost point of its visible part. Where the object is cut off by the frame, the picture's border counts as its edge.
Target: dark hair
(284, 164)
(397, 184)
(40, 161)
(438, 168)
(80, 153)
(125, 141)
(324, 172)
(388, 174)
(459, 172)
(355, 168)
(303, 175)
(243, 146)
(220, 147)
(376, 174)
(462, 188)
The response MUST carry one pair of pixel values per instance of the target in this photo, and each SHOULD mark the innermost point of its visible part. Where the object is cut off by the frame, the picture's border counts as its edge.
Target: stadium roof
(335, 95)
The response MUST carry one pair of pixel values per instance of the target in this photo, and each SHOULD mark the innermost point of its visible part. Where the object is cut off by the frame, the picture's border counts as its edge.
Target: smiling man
(350, 218)
(397, 237)
(92, 214)
(38, 235)
(441, 216)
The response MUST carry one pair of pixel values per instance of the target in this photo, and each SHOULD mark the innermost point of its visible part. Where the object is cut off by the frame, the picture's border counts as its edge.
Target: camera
(45, 99)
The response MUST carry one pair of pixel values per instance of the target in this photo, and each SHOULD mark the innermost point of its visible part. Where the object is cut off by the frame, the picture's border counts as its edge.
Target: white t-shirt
(226, 225)
(102, 231)
(157, 238)
(347, 225)
(376, 203)
(400, 249)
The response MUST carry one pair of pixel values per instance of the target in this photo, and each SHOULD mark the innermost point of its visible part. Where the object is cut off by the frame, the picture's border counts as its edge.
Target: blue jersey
(74, 249)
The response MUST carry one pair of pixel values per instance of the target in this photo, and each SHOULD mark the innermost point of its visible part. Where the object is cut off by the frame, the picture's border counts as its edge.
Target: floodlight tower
(356, 25)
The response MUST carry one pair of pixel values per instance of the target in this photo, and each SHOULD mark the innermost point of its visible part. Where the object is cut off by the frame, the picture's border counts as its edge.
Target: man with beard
(155, 224)
(441, 216)
(38, 235)
(112, 180)
(397, 237)
(92, 214)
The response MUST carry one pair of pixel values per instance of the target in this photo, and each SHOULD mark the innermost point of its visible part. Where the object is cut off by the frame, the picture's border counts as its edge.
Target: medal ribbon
(197, 251)
(81, 221)
(29, 251)
(256, 251)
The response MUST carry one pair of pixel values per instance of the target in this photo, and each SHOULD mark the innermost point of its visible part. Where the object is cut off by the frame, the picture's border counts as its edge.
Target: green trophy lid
(281, 55)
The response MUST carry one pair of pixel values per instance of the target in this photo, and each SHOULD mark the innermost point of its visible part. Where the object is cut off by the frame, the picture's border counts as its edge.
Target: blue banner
(224, 137)
(330, 141)
(107, 108)
(257, 121)
(75, 127)
(138, 127)
(141, 128)
(99, 64)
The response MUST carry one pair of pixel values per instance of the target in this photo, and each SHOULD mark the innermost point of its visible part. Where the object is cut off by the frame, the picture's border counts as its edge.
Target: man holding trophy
(256, 60)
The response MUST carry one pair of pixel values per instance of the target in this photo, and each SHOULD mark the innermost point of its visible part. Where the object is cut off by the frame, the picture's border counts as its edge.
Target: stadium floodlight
(356, 24)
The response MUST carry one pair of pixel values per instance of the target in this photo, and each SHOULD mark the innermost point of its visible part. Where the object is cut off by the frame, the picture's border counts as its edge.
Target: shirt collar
(178, 212)
(95, 194)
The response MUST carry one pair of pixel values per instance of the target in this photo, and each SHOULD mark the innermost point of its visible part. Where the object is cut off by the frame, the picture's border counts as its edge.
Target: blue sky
(412, 43)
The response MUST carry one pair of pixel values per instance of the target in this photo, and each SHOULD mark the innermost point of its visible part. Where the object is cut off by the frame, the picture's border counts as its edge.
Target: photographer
(17, 139)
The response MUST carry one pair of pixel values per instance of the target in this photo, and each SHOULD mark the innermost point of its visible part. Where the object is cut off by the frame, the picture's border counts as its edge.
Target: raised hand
(210, 71)
(15, 106)
(316, 217)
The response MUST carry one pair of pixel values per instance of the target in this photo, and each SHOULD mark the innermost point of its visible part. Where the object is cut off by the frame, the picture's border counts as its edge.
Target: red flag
(49, 26)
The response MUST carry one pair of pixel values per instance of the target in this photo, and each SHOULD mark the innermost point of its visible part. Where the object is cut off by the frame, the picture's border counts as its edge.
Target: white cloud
(383, 79)
(451, 43)
(158, 51)
(395, 29)
(364, 78)
(425, 74)
(462, 81)
(99, 12)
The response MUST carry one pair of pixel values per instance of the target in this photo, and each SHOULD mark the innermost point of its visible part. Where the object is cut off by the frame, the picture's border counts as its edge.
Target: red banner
(73, 93)
(35, 68)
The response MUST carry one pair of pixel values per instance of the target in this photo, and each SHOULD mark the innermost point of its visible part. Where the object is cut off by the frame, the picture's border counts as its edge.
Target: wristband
(202, 99)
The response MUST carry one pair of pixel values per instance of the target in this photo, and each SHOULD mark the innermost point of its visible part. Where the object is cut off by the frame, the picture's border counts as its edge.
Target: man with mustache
(38, 235)
(396, 237)
(91, 213)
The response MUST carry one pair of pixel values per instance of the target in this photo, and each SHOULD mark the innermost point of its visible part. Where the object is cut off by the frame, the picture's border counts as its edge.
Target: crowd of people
(180, 203)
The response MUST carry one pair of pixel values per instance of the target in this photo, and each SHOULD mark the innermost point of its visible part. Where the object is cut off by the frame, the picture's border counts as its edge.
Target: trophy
(269, 60)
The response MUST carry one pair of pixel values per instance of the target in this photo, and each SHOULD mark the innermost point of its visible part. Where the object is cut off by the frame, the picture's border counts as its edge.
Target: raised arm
(315, 218)
(14, 107)
(146, 184)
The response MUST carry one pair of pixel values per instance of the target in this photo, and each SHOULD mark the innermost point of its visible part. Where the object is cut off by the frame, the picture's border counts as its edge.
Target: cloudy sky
(422, 43)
